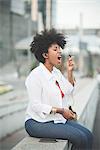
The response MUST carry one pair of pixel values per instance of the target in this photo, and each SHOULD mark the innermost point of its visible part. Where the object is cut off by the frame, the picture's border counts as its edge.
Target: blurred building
(47, 8)
(86, 49)
(14, 22)
(19, 20)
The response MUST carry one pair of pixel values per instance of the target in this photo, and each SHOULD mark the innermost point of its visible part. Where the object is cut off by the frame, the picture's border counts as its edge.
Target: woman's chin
(59, 62)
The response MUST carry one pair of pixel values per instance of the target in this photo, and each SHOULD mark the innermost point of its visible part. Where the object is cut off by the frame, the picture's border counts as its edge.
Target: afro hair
(41, 42)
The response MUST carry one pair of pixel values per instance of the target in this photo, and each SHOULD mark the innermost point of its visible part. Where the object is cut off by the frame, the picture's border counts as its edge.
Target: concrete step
(12, 112)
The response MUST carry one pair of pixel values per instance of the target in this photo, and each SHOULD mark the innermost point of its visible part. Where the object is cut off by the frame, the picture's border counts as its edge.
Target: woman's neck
(48, 66)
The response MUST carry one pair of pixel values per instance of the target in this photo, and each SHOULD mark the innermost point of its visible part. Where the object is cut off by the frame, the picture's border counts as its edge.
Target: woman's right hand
(68, 114)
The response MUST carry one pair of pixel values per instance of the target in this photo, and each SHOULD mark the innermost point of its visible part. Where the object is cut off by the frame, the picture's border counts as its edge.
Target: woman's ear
(45, 55)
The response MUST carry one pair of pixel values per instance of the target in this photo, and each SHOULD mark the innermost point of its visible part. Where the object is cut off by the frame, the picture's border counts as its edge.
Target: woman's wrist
(53, 110)
(60, 111)
(71, 78)
(57, 110)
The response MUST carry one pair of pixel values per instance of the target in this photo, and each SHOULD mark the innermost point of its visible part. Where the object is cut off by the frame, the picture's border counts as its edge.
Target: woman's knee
(28, 127)
(89, 135)
(81, 141)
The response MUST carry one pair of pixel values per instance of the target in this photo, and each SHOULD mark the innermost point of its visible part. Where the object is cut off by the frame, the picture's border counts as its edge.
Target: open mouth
(59, 57)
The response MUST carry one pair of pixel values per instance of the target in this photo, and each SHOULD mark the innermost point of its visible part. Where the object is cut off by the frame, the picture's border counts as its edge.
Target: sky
(68, 13)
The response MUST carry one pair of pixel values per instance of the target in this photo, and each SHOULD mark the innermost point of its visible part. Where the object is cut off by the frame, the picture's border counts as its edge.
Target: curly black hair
(41, 42)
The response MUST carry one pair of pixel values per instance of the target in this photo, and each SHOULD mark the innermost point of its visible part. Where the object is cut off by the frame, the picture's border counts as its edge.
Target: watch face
(53, 111)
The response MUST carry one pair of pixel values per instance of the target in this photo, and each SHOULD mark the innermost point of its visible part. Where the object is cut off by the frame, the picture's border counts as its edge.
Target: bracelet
(53, 111)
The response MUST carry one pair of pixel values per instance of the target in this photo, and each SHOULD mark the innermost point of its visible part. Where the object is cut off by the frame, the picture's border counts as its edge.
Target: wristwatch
(53, 111)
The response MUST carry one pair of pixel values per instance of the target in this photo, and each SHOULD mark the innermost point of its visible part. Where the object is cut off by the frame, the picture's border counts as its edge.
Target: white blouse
(44, 94)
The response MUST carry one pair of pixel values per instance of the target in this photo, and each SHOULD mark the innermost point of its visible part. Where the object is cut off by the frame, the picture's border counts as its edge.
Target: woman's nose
(59, 51)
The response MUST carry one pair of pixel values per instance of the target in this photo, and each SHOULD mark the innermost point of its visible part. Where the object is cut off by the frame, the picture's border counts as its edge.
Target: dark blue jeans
(79, 136)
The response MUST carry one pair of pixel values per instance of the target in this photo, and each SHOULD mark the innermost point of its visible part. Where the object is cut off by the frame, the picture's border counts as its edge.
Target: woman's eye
(55, 49)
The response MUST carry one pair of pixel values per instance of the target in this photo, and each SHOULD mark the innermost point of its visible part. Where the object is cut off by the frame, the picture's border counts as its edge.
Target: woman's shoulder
(33, 75)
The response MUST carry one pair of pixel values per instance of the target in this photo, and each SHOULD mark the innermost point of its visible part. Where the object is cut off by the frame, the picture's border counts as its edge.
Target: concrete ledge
(86, 100)
(86, 97)
(29, 143)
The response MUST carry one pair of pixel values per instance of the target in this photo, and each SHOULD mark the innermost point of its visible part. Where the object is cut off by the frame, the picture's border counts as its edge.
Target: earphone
(45, 55)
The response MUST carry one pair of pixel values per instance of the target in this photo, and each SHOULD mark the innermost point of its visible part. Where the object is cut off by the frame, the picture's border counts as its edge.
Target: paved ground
(12, 140)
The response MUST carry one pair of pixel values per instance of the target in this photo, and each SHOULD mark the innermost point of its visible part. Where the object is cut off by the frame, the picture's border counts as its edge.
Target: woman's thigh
(77, 125)
(56, 131)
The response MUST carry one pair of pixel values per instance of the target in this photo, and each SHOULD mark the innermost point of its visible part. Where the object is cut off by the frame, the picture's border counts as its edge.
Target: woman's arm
(66, 113)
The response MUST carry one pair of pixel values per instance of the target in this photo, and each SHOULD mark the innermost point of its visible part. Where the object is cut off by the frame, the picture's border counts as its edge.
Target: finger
(70, 59)
(71, 117)
(74, 117)
(71, 113)
(71, 63)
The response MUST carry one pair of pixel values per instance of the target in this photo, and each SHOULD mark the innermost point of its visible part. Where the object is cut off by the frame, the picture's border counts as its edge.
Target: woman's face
(54, 54)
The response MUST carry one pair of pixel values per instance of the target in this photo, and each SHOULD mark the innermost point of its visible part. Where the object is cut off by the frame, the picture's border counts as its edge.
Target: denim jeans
(79, 136)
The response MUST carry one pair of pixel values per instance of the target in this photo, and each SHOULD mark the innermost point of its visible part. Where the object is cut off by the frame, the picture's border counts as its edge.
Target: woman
(48, 89)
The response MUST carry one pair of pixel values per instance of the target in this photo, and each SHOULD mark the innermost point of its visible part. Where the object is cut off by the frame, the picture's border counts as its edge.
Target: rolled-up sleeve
(34, 89)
